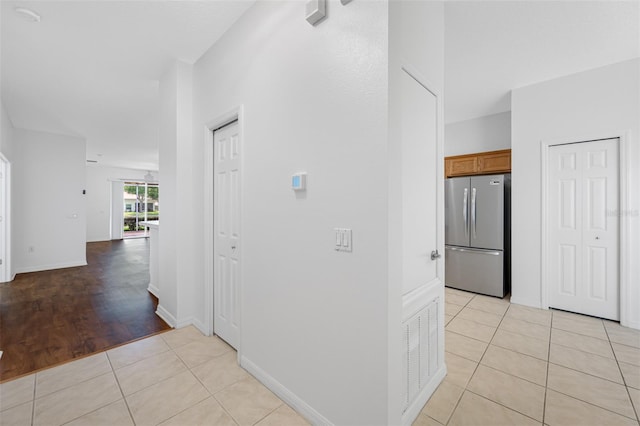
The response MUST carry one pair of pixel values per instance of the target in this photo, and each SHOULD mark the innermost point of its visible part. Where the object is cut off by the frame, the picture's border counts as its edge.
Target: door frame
(623, 137)
(6, 274)
(209, 212)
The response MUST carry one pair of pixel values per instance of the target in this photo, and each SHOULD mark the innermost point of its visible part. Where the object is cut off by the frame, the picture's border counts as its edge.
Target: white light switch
(343, 239)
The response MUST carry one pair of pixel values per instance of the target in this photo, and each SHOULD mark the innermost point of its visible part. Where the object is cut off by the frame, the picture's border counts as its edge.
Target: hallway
(51, 317)
(507, 365)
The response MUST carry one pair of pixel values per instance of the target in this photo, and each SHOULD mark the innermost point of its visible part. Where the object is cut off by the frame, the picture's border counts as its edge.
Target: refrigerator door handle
(464, 212)
(473, 211)
(476, 250)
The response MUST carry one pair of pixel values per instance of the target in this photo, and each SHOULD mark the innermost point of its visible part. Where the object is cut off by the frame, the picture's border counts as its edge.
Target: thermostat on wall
(299, 182)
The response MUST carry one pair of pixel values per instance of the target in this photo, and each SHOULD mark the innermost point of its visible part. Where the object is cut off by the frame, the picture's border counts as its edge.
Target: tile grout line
(124, 398)
(592, 404)
(591, 375)
(67, 386)
(546, 388)
(584, 351)
(546, 379)
(624, 380)
(236, 421)
(171, 349)
(445, 349)
(478, 363)
(93, 411)
(504, 406)
(269, 413)
(513, 375)
(159, 381)
(212, 395)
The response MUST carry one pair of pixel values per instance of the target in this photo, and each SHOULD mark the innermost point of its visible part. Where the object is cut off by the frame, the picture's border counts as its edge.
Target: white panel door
(420, 182)
(226, 229)
(583, 233)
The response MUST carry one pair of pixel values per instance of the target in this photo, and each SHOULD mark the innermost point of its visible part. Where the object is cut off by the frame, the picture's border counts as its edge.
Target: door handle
(473, 211)
(435, 255)
(464, 211)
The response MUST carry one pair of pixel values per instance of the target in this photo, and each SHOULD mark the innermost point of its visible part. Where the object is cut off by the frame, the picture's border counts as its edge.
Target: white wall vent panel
(421, 348)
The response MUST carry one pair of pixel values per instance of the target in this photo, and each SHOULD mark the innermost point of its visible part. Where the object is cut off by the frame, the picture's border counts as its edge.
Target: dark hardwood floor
(51, 317)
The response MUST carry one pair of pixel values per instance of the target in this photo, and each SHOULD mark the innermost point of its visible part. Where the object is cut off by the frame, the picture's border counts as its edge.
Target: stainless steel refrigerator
(478, 234)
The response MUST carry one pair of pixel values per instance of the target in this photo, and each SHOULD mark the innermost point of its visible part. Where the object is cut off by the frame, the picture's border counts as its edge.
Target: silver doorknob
(233, 247)
(597, 238)
(435, 255)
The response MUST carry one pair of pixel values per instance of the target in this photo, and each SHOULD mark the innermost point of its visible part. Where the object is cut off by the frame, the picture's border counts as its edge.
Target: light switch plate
(343, 239)
(315, 11)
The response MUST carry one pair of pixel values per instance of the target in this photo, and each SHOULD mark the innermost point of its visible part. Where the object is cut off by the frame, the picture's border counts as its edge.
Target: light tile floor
(507, 365)
(514, 365)
(176, 378)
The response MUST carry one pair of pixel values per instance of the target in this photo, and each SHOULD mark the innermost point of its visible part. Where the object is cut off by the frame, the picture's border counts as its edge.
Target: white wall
(50, 213)
(178, 301)
(7, 150)
(597, 102)
(488, 133)
(6, 135)
(98, 197)
(315, 99)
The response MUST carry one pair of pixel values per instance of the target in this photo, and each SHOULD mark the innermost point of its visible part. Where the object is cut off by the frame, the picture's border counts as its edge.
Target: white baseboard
(182, 322)
(50, 266)
(304, 409)
(185, 322)
(200, 326)
(11, 278)
(166, 316)
(533, 303)
(99, 239)
(412, 413)
(154, 290)
(536, 304)
(631, 324)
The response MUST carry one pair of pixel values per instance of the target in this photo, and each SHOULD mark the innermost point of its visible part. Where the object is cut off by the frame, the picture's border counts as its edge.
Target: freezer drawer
(477, 270)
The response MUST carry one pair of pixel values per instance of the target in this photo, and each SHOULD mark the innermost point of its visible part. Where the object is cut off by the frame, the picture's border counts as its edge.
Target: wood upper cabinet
(482, 163)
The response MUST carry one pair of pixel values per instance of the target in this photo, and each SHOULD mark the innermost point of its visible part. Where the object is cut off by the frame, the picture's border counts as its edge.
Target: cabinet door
(495, 162)
(462, 166)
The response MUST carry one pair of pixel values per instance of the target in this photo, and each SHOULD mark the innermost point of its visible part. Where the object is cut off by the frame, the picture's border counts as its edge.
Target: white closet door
(584, 223)
(226, 267)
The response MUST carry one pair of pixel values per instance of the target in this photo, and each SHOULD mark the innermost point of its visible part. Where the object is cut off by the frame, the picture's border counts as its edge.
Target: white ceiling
(91, 68)
(492, 47)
